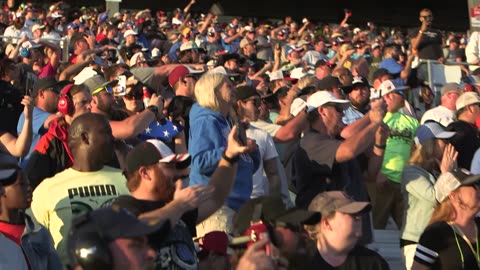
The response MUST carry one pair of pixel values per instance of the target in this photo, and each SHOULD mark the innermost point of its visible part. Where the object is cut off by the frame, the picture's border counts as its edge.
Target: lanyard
(457, 230)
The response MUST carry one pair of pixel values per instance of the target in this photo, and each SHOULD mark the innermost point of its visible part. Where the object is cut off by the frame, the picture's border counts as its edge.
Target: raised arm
(19, 146)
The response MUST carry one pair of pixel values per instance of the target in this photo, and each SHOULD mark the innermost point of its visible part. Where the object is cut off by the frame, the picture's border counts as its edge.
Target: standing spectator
(114, 240)
(87, 185)
(445, 112)
(51, 154)
(210, 123)
(164, 197)
(466, 139)
(322, 162)
(13, 255)
(432, 156)
(35, 241)
(338, 232)
(45, 95)
(389, 200)
(472, 51)
(428, 41)
(449, 242)
(266, 179)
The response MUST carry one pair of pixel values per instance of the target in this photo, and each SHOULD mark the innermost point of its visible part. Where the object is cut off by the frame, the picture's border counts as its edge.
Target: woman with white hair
(210, 123)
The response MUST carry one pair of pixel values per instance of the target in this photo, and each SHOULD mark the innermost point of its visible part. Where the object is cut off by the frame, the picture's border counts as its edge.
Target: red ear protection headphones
(65, 104)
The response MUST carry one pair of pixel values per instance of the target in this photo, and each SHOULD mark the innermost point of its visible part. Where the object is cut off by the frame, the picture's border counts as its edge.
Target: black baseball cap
(244, 92)
(8, 169)
(328, 82)
(46, 83)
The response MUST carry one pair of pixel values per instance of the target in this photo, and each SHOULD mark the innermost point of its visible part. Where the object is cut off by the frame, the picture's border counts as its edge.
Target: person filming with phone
(428, 41)
(211, 120)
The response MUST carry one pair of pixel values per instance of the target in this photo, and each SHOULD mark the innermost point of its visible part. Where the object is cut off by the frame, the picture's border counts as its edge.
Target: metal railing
(64, 43)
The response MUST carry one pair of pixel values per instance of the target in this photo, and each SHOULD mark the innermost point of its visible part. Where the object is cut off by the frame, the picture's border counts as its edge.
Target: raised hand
(192, 196)
(27, 102)
(449, 159)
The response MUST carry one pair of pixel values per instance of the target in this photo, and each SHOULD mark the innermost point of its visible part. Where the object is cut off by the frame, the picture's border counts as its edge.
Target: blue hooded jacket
(207, 140)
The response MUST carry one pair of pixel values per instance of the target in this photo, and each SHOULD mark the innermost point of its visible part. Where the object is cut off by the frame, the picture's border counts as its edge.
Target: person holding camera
(210, 123)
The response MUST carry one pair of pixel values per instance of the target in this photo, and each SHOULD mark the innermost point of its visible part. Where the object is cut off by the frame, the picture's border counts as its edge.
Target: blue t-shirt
(38, 118)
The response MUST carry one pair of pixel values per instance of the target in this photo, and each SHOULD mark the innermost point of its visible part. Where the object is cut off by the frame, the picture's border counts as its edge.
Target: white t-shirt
(268, 151)
(440, 114)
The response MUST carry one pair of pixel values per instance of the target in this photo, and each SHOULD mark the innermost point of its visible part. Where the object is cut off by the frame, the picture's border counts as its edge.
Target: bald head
(84, 130)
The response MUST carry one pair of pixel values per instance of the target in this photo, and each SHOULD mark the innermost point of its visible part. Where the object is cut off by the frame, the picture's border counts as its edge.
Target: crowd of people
(179, 140)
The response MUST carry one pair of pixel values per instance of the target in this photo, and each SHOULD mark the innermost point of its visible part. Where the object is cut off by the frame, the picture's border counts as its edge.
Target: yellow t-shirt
(60, 198)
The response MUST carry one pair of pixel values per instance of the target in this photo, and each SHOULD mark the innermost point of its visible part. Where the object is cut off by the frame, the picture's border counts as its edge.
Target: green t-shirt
(399, 143)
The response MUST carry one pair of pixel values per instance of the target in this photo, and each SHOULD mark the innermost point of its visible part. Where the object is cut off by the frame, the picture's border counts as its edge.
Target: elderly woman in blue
(210, 124)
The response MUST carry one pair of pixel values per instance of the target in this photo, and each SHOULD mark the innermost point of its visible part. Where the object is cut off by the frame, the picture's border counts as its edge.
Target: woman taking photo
(432, 156)
(451, 241)
(210, 123)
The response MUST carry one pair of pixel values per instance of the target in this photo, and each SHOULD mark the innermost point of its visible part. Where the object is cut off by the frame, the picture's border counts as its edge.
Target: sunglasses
(133, 97)
(109, 90)
(256, 101)
(339, 109)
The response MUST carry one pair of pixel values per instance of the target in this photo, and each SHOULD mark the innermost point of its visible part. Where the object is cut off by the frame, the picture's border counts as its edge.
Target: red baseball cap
(216, 241)
(176, 74)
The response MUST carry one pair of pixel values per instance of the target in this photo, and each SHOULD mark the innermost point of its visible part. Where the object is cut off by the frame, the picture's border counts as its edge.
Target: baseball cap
(109, 223)
(466, 99)
(246, 91)
(8, 169)
(292, 48)
(246, 41)
(297, 73)
(357, 80)
(321, 98)
(37, 26)
(450, 87)
(389, 86)
(450, 181)
(323, 62)
(391, 65)
(129, 32)
(45, 83)
(330, 202)
(431, 130)
(177, 73)
(216, 241)
(272, 210)
(151, 152)
(328, 82)
(136, 58)
(96, 83)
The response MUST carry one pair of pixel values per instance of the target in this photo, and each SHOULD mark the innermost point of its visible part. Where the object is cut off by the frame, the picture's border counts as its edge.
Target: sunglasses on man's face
(108, 89)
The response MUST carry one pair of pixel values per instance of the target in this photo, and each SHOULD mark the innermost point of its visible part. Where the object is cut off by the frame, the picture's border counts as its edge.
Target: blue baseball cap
(8, 169)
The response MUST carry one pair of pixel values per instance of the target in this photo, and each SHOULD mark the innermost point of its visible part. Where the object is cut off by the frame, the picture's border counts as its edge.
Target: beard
(104, 106)
(359, 105)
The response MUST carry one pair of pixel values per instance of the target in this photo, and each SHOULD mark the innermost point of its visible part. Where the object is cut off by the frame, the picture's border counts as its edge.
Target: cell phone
(258, 231)
(241, 133)
(121, 87)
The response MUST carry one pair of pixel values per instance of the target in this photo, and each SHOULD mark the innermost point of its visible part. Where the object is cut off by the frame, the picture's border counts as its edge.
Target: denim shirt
(37, 245)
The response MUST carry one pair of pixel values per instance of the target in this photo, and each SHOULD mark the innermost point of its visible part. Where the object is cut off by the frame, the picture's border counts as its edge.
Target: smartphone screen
(121, 87)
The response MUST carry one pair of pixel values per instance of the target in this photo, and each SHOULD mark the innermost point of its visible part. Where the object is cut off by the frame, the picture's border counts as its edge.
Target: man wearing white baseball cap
(389, 200)
(322, 162)
(466, 141)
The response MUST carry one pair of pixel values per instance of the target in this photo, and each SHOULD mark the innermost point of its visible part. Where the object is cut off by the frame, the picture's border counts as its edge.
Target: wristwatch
(153, 109)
